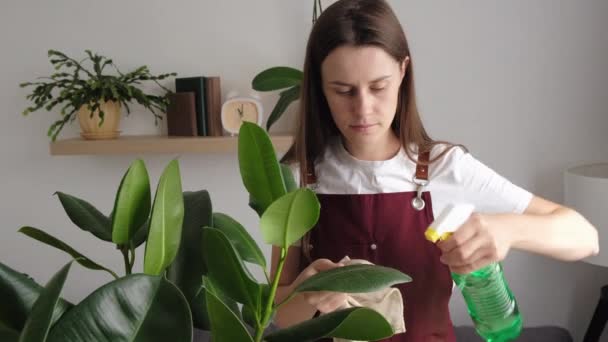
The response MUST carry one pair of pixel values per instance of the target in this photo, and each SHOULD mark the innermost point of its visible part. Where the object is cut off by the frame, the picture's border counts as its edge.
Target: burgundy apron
(388, 229)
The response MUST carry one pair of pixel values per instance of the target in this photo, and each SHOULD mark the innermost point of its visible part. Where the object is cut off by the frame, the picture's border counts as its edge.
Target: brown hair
(356, 23)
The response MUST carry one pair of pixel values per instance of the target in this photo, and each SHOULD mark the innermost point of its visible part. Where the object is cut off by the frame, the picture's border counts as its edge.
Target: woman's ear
(404, 65)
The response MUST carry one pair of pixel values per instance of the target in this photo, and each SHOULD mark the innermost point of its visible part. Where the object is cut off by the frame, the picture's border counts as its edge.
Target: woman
(381, 179)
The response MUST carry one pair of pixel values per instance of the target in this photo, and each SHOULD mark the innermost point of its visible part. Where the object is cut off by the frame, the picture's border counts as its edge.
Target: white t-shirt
(457, 177)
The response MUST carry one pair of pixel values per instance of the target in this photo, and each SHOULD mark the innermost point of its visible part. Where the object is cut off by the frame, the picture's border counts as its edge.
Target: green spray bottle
(490, 302)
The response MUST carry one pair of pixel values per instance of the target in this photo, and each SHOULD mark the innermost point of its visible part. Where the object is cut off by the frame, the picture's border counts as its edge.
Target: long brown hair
(355, 23)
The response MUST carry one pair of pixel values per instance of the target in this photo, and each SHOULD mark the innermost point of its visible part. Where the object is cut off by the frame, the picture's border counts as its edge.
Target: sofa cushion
(537, 334)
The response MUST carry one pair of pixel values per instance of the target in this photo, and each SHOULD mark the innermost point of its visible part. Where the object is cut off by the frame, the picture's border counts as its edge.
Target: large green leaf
(290, 182)
(137, 307)
(141, 234)
(8, 335)
(361, 324)
(277, 78)
(258, 165)
(354, 279)
(225, 325)
(86, 216)
(226, 269)
(18, 293)
(209, 286)
(253, 204)
(47, 239)
(132, 203)
(286, 97)
(188, 268)
(290, 217)
(245, 245)
(39, 321)
(166, 222)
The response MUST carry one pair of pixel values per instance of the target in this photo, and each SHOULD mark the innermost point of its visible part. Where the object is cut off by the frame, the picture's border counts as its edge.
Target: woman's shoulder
(447, 158)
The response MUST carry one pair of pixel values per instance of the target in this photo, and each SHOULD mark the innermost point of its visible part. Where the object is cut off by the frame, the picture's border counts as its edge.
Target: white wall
(523, 84)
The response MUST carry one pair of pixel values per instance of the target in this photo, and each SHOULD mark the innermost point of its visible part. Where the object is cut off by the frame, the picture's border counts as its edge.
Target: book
(197, 86)
(213, 101)
(181, 115)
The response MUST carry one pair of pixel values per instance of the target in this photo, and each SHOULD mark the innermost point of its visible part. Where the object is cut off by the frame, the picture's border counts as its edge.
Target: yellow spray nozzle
(451, 217)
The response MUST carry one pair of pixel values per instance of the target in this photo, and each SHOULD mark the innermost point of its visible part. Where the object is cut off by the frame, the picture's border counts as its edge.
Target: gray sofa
(529, 334)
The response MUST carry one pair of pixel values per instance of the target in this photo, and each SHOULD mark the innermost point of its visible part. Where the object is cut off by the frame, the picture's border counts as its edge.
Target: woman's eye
(344, 91)
(378, 89)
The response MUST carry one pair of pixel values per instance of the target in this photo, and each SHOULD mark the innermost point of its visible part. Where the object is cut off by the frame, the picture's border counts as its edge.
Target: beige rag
(388, 302)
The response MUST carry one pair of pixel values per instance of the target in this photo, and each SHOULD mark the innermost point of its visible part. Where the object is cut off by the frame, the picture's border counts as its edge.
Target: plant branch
(125, 255)
(132, 261)
(273, 291)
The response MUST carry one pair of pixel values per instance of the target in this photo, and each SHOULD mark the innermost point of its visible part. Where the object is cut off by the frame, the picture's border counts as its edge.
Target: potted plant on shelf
(195, 273)
(92, 94)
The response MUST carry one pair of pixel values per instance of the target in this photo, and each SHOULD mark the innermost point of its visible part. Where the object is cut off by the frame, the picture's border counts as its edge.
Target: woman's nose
(363, 103)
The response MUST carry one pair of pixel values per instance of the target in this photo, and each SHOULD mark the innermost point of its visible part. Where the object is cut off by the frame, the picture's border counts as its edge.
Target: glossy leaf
(167, 217)
(225, 325)
(141, 235)
(288, 179)
(277, 78)
(209, 286)
(49, 240)
(244, 244)
(8, 335)
(258, 165)
(226, 269)
(188, 268)
(290, 217)
(286, 97)
(137, 307)
(253, 204)
(354, 279)
(132, 203)
(86, 216)
(40, 320)
(19, 293)
(361, 324)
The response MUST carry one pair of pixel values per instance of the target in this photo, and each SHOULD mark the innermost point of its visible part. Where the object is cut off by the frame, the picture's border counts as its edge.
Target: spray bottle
(489, 300)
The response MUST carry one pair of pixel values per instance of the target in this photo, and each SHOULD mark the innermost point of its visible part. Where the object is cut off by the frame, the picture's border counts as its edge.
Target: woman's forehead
(354, 64)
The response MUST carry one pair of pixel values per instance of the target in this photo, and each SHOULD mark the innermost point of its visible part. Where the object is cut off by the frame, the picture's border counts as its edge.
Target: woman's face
(361, 84)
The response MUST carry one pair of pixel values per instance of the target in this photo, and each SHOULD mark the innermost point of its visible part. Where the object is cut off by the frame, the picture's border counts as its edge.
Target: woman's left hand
(477, 243)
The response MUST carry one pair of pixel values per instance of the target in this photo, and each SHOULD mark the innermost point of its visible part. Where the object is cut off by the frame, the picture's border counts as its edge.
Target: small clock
(237, 109)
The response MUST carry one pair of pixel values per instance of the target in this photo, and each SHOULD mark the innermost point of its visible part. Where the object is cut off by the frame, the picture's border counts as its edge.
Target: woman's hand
(323, 301)
(477, 243)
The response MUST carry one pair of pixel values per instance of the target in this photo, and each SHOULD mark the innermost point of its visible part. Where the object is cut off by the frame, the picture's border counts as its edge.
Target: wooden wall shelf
(137, 144)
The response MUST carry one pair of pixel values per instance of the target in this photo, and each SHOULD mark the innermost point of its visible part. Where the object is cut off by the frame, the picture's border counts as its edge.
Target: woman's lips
(362, 127)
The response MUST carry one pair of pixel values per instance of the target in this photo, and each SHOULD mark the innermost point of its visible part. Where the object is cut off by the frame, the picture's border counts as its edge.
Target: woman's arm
(304, 305)
(544, 228)
(549, 229)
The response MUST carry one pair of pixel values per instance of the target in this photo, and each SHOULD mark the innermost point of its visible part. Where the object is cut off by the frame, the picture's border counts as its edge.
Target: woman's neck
(381, 150)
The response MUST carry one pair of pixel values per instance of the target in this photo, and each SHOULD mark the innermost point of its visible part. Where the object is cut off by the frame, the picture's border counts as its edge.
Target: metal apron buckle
(417, 202)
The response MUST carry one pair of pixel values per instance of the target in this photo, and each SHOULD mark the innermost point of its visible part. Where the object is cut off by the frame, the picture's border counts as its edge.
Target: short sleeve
(478, 184)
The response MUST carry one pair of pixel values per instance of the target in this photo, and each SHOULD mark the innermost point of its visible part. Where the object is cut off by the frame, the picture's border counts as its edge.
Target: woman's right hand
(323, 301)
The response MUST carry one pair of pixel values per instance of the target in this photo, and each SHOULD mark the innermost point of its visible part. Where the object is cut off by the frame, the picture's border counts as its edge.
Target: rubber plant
(195, 267)
(286, 79)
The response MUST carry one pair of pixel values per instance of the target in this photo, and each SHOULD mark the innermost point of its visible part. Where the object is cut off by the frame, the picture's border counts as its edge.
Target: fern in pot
(94, 90)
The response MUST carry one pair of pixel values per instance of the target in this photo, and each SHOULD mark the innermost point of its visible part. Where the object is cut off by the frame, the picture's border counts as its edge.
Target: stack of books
(195, 107)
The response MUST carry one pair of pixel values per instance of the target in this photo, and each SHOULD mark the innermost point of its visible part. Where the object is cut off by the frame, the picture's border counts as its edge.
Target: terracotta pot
(90, 125)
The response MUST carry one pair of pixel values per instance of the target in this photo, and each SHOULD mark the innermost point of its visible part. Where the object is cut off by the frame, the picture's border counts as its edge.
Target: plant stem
(132, 261)
(273, 291)
(125, 255)
(112, 273)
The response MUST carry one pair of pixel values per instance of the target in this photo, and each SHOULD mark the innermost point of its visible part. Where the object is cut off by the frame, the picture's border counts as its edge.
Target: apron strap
(311, 177)
(421, 179)
(422, 167)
